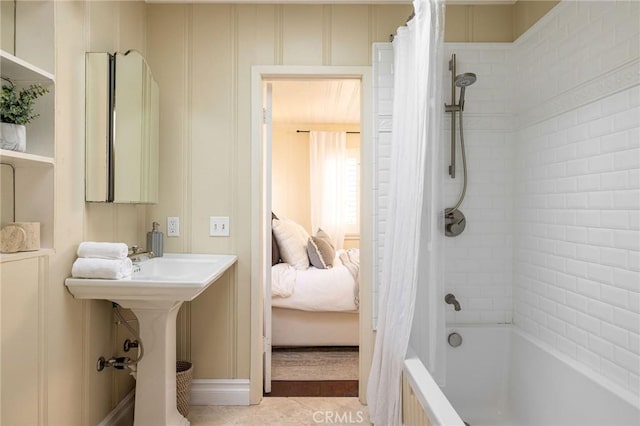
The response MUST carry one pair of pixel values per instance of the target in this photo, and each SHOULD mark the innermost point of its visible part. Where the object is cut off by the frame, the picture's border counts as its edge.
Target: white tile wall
(382, 110)
(478, 261)
(552, 127)
(577, 190)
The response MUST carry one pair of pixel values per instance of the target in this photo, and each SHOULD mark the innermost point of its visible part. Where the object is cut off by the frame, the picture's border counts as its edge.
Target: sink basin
(154, 293)
(171, 278)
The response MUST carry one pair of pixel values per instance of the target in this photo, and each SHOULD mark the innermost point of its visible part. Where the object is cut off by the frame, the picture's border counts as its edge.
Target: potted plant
(16, 110)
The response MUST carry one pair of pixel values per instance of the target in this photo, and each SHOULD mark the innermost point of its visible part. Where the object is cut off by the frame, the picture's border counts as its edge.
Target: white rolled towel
(110, 269)
(103, 250)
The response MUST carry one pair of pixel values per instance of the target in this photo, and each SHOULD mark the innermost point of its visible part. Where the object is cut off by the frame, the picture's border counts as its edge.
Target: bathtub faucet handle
(451, 300)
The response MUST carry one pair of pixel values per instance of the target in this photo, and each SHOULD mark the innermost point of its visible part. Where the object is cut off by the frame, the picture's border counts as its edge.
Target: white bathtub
(500, 376)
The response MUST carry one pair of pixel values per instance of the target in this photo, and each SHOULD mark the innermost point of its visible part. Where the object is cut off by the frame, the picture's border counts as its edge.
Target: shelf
(17, 70)
(21, 255)
(24, 159)
(34, 170)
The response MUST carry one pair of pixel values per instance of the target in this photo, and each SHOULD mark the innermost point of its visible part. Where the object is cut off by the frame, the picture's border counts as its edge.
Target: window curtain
(412, 229)
(328, 155)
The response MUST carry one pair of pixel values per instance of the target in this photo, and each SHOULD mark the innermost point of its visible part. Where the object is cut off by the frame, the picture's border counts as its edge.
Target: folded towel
(103, 250)
(110, 269)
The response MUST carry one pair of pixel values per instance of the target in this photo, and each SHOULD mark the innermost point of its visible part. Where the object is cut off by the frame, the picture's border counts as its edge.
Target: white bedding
(313, 289)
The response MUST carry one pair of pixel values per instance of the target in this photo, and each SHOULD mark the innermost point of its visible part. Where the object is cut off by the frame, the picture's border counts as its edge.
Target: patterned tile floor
(298, 411)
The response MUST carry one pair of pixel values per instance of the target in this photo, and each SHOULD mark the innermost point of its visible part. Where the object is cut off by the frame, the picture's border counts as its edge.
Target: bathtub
(501, 376)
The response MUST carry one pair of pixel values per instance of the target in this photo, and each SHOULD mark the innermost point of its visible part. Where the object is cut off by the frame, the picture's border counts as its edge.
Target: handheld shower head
(462, 81)
(466, 79)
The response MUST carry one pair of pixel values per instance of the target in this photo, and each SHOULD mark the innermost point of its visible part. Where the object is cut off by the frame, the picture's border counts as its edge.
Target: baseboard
(220, 392)
(122, 414)
(203, 392)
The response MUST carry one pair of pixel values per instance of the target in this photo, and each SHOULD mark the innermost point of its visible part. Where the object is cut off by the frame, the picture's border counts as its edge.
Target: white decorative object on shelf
(20, 236)
(13, 137)
(12, 238)
(32, 234)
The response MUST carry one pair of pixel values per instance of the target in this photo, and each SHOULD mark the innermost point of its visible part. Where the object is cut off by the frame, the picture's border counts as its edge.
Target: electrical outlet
(219, 226)
(173, 226)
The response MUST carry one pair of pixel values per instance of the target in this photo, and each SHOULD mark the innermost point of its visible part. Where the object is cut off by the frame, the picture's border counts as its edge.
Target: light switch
(219, 226)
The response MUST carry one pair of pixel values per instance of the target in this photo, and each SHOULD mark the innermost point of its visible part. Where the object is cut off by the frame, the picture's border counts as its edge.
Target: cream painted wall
(80, 331)
(528, 12)
(493, 23)
(6, 185)
(479, 23)
(290, 168)
(204, 55)
(113, 26)
(290, 174)
(7, 25)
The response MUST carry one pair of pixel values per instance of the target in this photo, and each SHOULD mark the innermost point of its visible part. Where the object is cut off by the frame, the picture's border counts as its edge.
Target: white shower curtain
(412, 233)
(328, 155)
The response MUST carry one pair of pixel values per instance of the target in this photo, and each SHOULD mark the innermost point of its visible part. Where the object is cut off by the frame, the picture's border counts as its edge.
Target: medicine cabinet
(121, 117)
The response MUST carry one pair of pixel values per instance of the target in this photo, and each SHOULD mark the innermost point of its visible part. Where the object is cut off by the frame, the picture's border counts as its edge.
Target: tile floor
(298, 411)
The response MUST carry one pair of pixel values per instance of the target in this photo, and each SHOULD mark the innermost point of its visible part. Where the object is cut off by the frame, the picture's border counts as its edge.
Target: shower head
(462, 81)
(466, 79)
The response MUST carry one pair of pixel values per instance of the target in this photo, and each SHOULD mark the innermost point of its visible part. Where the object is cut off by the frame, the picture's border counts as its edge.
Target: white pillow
(292, 240)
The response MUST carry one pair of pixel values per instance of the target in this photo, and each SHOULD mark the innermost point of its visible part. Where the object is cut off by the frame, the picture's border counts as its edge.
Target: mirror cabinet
(122, 109)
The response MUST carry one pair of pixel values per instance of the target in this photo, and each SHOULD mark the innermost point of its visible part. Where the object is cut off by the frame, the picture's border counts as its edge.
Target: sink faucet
(137, 254)
(451, 300)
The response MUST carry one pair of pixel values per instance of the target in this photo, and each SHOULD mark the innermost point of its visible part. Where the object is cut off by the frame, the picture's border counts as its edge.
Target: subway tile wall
(577, 186)
(382, 116)
(478, 261)
(552, 127)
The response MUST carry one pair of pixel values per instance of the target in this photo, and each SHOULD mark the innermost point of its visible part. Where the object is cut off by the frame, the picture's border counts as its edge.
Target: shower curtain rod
(392, 36)
(307, 131)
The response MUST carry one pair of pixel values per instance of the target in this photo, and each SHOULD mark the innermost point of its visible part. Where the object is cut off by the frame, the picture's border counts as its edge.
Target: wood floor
(314, 372)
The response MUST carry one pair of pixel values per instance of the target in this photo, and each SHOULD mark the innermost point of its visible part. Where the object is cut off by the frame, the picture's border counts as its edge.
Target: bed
(291, 327)
(315, 306)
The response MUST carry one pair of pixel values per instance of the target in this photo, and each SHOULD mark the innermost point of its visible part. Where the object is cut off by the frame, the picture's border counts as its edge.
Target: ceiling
(316, 101)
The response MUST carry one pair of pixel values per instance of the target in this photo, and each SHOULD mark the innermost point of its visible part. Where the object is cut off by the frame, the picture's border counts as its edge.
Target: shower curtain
(411, 257)
(327, 156)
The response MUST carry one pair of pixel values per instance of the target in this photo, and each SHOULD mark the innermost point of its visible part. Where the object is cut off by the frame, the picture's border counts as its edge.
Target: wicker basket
(184, 374)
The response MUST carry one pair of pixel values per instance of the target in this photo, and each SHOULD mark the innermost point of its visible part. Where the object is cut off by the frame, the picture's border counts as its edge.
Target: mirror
(122, 108)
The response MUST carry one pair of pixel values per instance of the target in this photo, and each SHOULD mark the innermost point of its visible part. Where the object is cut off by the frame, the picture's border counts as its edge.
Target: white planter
(13, 137)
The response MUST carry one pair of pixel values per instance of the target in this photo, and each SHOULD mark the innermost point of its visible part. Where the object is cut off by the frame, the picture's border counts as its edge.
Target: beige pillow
(292, 240)
(321, 251)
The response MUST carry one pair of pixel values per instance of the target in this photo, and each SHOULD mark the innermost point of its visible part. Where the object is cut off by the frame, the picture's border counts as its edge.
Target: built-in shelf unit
(27, 181)
(29, 193)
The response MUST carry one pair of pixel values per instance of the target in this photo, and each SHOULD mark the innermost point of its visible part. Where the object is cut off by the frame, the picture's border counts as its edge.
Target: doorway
(315, 170)
(263, 149)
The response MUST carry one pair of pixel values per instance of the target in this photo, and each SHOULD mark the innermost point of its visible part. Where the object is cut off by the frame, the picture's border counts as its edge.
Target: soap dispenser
(154, 240)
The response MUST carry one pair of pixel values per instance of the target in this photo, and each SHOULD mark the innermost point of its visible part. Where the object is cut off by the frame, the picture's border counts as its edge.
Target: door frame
(261, 239)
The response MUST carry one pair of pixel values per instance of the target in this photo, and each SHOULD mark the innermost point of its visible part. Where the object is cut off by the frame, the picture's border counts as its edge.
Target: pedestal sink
(154, 293)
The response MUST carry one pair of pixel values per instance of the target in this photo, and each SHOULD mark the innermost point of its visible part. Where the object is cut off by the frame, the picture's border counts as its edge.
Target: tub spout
(451, 300)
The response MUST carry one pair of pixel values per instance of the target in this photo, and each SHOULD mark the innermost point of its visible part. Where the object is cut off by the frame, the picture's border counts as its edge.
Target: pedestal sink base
(156, 377)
